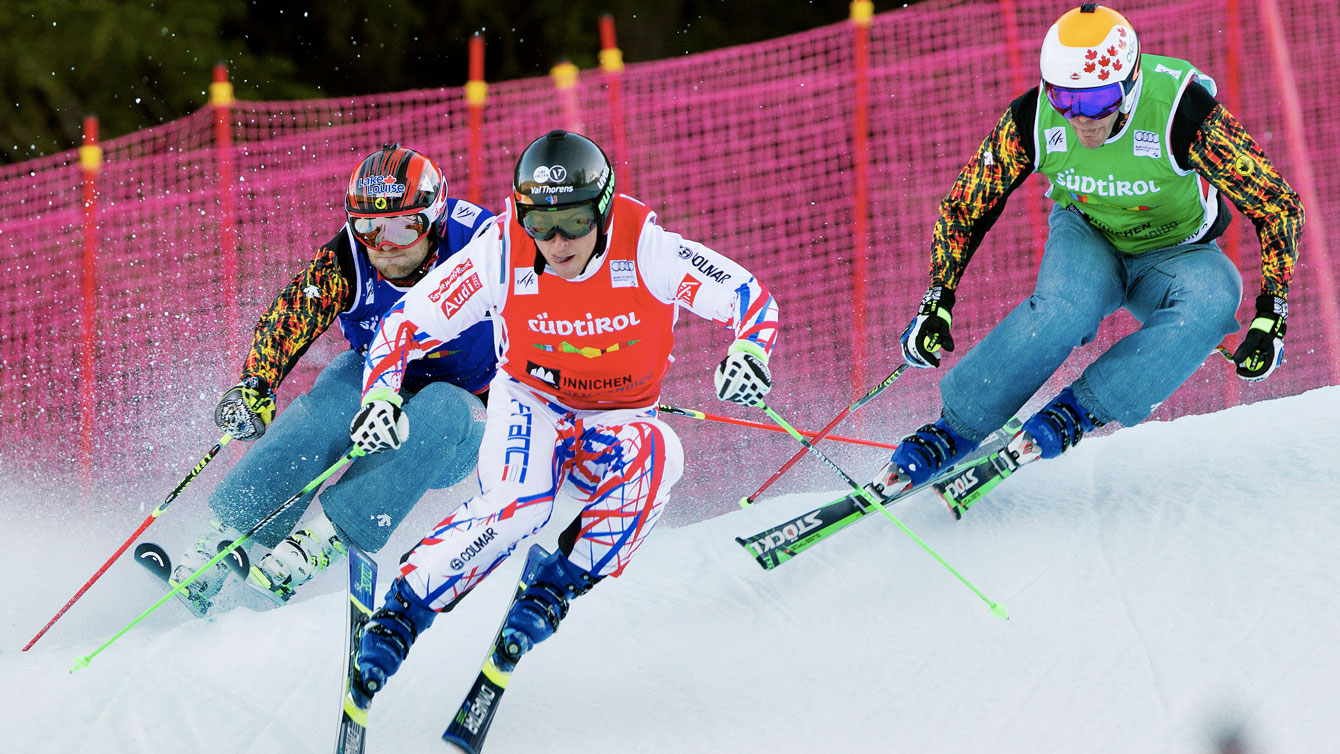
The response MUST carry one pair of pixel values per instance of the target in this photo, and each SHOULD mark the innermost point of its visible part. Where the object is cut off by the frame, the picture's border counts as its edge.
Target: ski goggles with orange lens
(1091, 103)
(542, 223)
(400, 231)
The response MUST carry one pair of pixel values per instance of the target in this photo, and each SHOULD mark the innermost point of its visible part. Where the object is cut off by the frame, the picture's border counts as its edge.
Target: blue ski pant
(367, 503)
(1185, 298)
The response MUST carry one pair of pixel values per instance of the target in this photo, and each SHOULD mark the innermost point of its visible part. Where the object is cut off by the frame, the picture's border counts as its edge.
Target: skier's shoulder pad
(343, 249)
(464, 220)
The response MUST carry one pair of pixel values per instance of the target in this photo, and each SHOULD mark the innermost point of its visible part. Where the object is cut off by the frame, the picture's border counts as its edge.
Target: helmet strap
(1128, 98)
(600, 248)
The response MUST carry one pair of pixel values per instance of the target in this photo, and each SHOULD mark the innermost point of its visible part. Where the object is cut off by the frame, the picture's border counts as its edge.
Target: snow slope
(1165, 584)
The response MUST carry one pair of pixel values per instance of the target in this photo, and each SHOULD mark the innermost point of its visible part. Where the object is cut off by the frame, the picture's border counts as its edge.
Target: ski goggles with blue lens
(543, 223)
(400, 231)
(1091, 103)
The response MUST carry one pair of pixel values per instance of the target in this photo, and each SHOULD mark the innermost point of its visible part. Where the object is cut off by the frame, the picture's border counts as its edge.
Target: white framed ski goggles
(1095, 103)
(400, 231)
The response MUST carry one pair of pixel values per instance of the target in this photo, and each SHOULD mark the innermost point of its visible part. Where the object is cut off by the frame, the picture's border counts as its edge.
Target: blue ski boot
(537, 611)
(920, 457)
(1060, 424)
(386, 640)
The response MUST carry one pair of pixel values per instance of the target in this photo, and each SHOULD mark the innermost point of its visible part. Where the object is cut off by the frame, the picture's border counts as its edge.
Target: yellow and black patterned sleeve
(977, 198)
(299, 314)
(1224, 154)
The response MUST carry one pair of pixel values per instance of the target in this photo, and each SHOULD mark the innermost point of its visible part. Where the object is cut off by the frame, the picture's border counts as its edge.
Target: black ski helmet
(561, 169)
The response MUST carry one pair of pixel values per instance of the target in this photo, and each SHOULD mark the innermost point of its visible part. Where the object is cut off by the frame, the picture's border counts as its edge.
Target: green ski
(778, 544)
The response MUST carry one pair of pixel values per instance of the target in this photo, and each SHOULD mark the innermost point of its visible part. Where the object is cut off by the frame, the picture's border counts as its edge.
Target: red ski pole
(695, 414)
(876, 390)
(199, 466)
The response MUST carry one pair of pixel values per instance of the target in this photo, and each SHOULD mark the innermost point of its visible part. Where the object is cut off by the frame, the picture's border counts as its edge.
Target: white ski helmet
(1089, 47)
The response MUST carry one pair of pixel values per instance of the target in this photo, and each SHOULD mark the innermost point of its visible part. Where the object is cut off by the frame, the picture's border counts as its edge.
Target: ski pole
(997, 609)
(349, 455)
(745, 502)
(695, 414)
(199, 466)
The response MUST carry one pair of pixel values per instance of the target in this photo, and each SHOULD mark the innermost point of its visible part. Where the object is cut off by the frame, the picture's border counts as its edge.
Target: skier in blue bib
(400, 225)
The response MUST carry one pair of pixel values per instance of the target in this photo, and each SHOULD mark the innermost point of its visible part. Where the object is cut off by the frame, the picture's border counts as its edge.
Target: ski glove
(743, 377)
(245, 410)
(929, 330)
(379, 424)
(1263, 347)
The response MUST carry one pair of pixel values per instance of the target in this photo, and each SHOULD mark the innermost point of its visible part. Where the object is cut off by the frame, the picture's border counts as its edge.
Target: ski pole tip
(998, 610)
(745, 502)
(82, 662)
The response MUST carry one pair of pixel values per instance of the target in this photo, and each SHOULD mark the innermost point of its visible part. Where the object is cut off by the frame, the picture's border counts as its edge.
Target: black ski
(471, 724)
(237, 560)
(362, 596)
(778, 544)
(155, 559)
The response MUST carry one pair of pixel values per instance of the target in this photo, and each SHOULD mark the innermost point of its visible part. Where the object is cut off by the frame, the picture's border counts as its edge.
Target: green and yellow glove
(1262, 349)
(928, 332)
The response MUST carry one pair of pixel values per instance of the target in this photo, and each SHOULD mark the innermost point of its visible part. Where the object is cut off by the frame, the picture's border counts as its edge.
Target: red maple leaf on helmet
(1122, 44)
(1091, 54)
(1116, 65)
(1088, 67)
(1103, 74)
(1122, 31)
(1105, 62)
(1112, 50)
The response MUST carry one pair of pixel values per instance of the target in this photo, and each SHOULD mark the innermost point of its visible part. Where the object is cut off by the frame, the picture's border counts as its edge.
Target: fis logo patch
(1055, 139)
(465, 213)
(525, 282)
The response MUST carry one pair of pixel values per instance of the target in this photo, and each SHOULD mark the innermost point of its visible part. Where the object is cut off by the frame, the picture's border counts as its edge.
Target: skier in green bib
(1140, 158)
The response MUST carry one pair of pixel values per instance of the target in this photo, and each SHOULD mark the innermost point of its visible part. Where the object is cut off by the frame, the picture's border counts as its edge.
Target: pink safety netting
(748, 149)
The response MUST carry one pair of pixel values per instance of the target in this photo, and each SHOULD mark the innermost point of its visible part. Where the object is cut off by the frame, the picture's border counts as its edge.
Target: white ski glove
(743, 377)
(380, 424)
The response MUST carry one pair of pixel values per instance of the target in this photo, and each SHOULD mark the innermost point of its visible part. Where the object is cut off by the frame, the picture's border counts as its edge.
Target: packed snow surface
(1167, 586)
